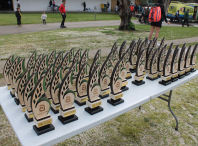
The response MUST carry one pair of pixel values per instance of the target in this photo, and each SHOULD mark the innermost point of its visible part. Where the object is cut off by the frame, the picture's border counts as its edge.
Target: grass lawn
(33, 18)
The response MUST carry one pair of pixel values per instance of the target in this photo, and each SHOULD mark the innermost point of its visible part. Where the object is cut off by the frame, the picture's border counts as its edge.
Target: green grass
(1, 76)
(34, 18)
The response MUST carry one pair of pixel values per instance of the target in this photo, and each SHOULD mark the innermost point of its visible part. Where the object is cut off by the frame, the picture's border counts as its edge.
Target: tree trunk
(125, 14)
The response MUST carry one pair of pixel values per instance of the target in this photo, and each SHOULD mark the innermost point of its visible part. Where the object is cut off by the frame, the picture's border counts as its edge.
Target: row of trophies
(56, 82)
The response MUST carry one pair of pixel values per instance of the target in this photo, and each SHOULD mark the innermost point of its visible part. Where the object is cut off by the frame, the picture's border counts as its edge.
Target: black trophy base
(124, 88)
(80, 103)
(138, 83)
(13, 95)
(28, 119)
(43, 129)
(152, 79)
(67, 119)
(16, 101)
(165, 83)
(132, 70)
(181, 76)
(174, 79)
(54, 111)
(94, 110)
(104, 96)
(187, 73)
(129, 77)
(193, 70)
(115, 102)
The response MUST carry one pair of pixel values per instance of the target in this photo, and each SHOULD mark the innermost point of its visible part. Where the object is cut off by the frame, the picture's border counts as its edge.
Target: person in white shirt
(44, 16)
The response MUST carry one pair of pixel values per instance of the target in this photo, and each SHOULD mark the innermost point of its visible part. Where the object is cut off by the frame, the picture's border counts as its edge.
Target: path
(13, 29)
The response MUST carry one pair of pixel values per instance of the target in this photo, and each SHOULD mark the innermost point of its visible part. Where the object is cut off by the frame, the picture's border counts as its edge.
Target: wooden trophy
(122, 49)
(20, 88)
(93, 91)
(97, 56)
(40, 108)
(71, 57)
(54, 90)
(31, 63)
(27, 94)
(6, 70)
(114, 57)
(187, 61)
(81, 86)
(153, 74)
(18, 73)
(48, 79)
(160, 62)
(193, 58)
(58, 61)
(83, 60)
(148, 50)
(148, 60)
(162, 42)
(52, 58)
(65, 64)
(140, 69)
(37, 63)
(133, 58)
(166, 77)
(42, 69)
(154, 43)
(128, 65)
(181, 63)
(66, 98)
(174, 65)
(11, 74)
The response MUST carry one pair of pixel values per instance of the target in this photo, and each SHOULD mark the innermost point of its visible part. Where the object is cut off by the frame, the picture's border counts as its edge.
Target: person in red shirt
(63, 13)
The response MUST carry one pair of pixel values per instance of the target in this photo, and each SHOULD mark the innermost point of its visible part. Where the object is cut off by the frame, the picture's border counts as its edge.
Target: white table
(134, 97)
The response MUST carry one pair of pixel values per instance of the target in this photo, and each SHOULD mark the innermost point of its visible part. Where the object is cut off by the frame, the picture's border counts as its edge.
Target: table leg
(169, 101)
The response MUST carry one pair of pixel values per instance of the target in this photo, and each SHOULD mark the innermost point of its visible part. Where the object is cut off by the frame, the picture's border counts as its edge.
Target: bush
(131, 26)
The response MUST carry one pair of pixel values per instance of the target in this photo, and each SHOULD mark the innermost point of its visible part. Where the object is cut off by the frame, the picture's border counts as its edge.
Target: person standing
(54, 5)
(18, 16)
(84, 5)
(186, 15)
(158, 24)
(108, 6)
(146, 14)
(142, 14)
(63, 13)
(177, 15)
(43, 17)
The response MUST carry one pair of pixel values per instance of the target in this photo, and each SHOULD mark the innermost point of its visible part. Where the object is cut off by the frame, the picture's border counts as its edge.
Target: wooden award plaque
(140, 69)
(187, 61)
(161, 58)
(48, 79)
(18, 73)
(166, 77)
(133, 58)
(174, 65)
(114, 57)
(40, 108)
(11, 74)
(42, 69)
(83, 60)
(193, 58)
(66, 98)
(31, 62)
(131, 46)
(146, 43)
(37, 63)
(77, 60)
(93, 91)
(111, 62)
(162, 42)
(154, 43)
(122, 49)
(58, 61)
(65, 64)
(153, 74)
(52, 58)
(6, 69)
(148, 59)
(71, 56)
(27, 94)
(181, 63)
(128, 65)
(54, 90)
(81, 86)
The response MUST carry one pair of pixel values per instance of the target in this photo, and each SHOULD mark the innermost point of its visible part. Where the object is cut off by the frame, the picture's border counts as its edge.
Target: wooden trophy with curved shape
(6, 70)
(18, 73)
(153, 74)
(83, 60)
(187, 61)
(181, 63)
(65, 64)
(71, 57)
(81, 86)
(140, 69)
(122, 50)
(58, 61)
(42, 69)
(93, 91)
(11, 74)
(193, 58)
(20, 88)
(174, 65)
(128, 65)
(37, 63)
(67, 98)
(166, 77)
(162, 42)
(27, 94)
(160, 62)
(133, 58)
(48, 79)
(40, 108)
(52, 58)
(31, 63)
(114, 57)
(154, 42)
(54, 90)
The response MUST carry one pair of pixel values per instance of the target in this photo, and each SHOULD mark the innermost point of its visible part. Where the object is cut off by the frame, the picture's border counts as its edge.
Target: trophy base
(93, 111)
(152, 79)
(104, 93)
(104, 96)
(81, 100)
(132, 70)
(55, 108)
(54, 111)
(174, 79)
(138, 83)
(187, 73)
(181, 76)
(124, 88)
(16, 101)
(13, 95)
(28, 119)
(193, 70)
(8, 86)
(115, 102)
(79, 103)
(43, 129)
(128, 76)
(67, 120)
(165, 83)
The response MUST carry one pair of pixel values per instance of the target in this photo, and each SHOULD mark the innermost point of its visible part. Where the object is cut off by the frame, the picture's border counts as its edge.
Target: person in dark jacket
(177, 15)
(84, 5)
(158, 25)
(186, 15)
(18, 16)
